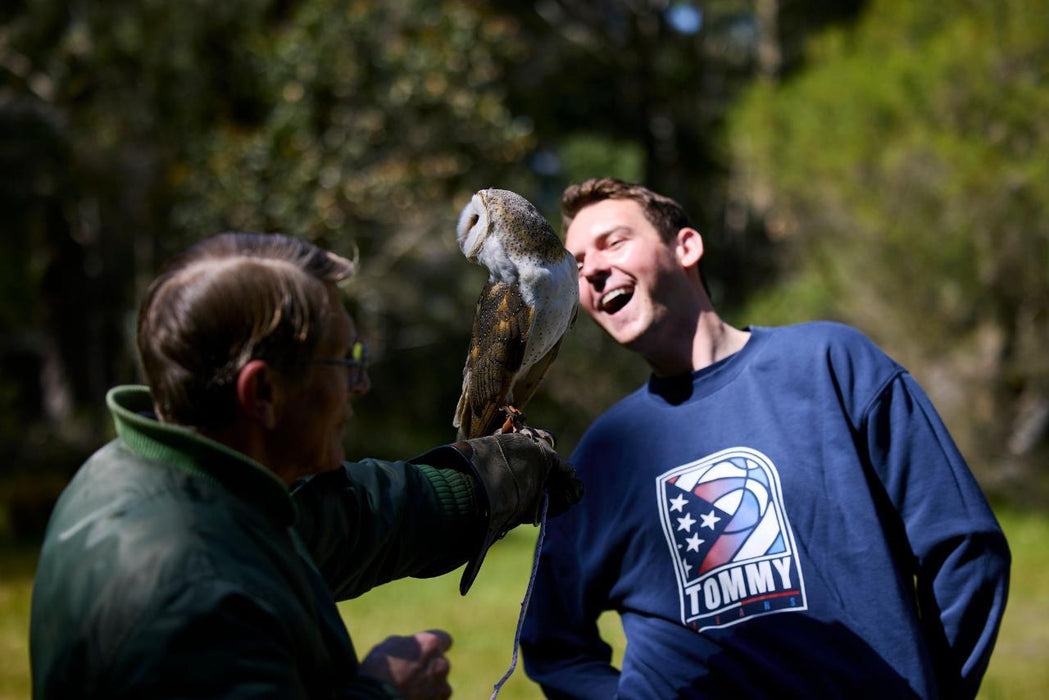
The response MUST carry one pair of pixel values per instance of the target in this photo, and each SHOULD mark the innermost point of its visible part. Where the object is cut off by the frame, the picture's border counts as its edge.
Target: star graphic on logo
(709, 520)
(678, 504)
(694, 542)
(686, 566)
(686, 523)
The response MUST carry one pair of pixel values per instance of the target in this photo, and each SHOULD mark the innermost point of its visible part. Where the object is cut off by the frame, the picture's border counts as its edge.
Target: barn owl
(523, 313)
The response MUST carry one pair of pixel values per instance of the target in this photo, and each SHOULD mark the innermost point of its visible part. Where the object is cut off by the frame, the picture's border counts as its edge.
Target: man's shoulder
(833, 357)
(97, 488)
(137, 512)
(819, 334)
(838, 344)
(142, 546)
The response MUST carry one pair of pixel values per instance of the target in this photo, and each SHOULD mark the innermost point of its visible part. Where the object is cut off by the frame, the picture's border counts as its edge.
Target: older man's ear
(258, 393)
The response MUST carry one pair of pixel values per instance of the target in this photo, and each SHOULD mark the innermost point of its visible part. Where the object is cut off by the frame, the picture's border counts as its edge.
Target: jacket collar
(185, 448)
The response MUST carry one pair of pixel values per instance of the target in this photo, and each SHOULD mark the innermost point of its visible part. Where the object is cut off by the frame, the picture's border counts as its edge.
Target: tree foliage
(149, 125)
(900, 150)
(375, 123)
(905, 174)
(138, 128)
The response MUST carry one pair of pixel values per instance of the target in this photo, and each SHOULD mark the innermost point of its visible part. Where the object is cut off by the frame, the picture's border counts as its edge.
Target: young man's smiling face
(627, 272)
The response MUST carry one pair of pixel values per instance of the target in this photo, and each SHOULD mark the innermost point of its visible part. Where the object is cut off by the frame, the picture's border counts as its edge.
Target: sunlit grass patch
(17, 564)
(483, 622)
(1020, 665)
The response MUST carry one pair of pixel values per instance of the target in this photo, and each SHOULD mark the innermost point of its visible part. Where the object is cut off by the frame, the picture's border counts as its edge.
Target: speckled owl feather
(523, 312)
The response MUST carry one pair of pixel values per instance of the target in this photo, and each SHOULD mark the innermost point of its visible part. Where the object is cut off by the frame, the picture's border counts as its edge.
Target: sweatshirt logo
(731, 543)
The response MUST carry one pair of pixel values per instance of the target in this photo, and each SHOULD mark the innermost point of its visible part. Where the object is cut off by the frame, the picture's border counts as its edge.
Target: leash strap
(527, 597)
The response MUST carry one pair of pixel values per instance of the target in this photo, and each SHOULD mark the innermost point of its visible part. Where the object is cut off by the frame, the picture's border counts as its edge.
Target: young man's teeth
(612, 296)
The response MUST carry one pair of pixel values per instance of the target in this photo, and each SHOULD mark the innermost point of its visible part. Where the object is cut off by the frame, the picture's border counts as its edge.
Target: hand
(562, 485)
(415, 665)
(515, 470)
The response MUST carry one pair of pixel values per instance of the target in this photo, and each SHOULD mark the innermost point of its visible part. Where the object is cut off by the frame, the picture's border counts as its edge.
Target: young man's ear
(257, 393)
(688, 247)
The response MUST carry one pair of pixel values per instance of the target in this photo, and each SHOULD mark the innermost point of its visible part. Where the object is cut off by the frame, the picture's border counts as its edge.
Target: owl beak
(472, 228)
(471, 255)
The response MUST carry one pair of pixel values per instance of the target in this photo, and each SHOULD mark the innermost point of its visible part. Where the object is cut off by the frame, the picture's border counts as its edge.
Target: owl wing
(525, 386)
(500, 333)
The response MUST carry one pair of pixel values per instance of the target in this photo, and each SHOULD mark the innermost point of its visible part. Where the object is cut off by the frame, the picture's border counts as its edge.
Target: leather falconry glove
(514, 471)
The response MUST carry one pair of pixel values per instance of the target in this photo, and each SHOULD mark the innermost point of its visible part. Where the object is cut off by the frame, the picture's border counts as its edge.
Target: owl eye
(473, 222)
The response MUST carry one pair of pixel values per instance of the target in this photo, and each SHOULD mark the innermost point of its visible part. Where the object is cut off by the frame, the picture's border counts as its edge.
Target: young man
(178, 564)
(778, 512)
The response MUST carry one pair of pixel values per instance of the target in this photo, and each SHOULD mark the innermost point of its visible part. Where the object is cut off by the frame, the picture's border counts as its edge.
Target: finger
(440, 666)
(563, 495)
(433, 641)
(437, 671)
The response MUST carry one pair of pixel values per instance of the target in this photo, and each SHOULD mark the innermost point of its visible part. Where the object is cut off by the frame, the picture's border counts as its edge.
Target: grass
(16, 582)
(483, 623)
(1020, 665)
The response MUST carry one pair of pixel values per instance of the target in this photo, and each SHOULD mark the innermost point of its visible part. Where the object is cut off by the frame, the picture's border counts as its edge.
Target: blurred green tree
(131, 130)
(380, 121)
(905, 176)
(641, 90)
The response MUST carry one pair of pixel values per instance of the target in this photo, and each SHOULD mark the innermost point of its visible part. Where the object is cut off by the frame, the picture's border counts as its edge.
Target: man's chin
(623, 332)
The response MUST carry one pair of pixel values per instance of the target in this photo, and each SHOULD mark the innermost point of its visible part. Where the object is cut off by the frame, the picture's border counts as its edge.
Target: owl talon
(515, 423)
(541, 434)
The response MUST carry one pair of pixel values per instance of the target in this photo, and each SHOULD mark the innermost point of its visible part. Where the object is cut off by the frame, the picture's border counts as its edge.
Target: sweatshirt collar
(185, 448)
(703, 382)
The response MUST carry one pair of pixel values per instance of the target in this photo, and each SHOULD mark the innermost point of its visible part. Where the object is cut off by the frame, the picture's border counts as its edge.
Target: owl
(522, 314)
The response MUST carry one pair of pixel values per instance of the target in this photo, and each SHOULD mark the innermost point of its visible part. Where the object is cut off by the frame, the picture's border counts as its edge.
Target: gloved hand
(514, 471)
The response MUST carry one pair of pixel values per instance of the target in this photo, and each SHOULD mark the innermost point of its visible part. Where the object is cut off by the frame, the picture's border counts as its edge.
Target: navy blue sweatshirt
(793, 521)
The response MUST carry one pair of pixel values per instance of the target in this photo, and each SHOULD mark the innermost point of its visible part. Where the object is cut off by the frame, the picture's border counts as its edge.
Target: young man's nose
(596, 276)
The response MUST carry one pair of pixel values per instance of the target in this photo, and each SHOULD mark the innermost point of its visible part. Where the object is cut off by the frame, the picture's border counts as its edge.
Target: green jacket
(173, 566)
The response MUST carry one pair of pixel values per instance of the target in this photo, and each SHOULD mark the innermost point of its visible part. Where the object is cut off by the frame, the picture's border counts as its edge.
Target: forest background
(882, 163)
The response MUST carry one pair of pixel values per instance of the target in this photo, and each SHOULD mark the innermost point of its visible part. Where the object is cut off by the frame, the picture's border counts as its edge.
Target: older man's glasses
(356, 360)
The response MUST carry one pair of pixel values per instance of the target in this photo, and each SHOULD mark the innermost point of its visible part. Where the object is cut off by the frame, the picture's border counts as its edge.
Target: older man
(178, 562)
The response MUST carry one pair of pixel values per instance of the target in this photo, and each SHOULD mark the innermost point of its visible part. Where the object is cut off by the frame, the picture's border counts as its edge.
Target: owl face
(504, 215)
(473, 226)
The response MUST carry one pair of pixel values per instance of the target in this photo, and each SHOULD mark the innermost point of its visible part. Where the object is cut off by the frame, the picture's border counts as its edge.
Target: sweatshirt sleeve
(960, 557)
(560, 642)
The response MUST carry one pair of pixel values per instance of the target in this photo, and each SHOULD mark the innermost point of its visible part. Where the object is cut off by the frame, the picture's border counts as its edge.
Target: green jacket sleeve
(251, 652)
(371, 522)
